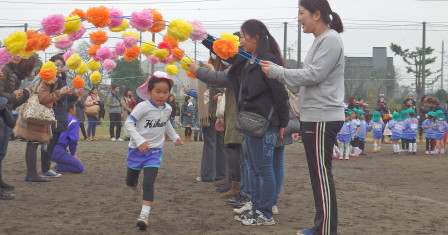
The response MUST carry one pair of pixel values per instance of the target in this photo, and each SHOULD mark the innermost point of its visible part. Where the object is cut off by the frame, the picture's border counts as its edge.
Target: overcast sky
(368, 23)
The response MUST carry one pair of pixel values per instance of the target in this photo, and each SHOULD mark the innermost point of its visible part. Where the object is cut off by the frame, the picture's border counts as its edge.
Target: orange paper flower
(31, 34)
(167, 38)
(98, 16)
(98, 37)
(79, 12)
(47, 74)
(159, 24)
(177, 53)
(44, 42)
(32, 44)
(93, 49)
(132, 53)
(225, 48)
(78, 82)
(191, 75)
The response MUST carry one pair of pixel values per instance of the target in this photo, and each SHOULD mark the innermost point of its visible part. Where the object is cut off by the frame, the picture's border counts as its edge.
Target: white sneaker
(119, 139)
(113, 139)
(50, 173)
(275, 210)
(442, 151)
(347, 157)
(341, 157)
(142, 222)
(426, 152)
(247, 206)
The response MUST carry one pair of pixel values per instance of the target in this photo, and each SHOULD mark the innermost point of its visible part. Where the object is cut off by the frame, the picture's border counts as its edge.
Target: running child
(410, 131)
(147, 125)
(376, 126)
(345, 135)
(430, 127)
(441, 128)
(396, 126)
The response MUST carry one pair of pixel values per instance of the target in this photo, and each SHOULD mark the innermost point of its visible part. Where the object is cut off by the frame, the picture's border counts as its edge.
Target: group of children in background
(403, 126)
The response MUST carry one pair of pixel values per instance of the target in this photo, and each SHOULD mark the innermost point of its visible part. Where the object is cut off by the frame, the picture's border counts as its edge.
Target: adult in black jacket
(60, 113)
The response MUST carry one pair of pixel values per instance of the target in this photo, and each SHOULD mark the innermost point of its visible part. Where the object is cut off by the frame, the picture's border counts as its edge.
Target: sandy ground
(377, 194)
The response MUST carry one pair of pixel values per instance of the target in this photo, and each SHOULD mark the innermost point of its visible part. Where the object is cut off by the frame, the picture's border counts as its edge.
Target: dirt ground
(377, 194)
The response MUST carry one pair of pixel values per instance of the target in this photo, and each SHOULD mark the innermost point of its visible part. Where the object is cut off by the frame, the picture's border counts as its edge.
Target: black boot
(3, 185)
(195, 138)
(6, 196)
(31, 164)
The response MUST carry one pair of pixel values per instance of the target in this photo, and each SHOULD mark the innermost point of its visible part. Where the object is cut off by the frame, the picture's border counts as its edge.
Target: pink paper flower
(53, 25)
(199, 32)
(109, 64)
(77, 35)
(63, 43)
(104, 53)
(141, 20)
(116, 17)
(129, 41)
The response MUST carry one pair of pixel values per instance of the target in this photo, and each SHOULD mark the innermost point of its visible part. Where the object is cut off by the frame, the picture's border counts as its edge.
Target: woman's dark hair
(423, 98)
(93, 88)
(324, 8)
(173, 104)
(155, 80)
(125, 92)
(433, 101)
(408, 99)
(26, 66)
(187, 98)
(70, 105)
(266, 44)
(61, 58)
(351, 100)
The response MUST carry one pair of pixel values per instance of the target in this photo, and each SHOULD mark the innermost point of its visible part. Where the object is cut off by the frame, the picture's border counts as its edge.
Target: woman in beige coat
(126, 100)
(38, 134)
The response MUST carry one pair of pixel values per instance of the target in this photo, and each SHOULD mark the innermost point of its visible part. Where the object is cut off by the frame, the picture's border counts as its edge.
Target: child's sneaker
(341, 157)
(245, 215)
(305, 232)
(346, 157)
(247, 206)
(427, 152)
(259, 219)
(334, 156)
(142, 222)
(442, 151)
(363, 153)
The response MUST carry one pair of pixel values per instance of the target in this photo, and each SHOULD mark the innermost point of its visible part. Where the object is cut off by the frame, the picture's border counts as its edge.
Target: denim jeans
(260, 155)
(279, 171)
(91, 125)
(173, 123)
(244, 181)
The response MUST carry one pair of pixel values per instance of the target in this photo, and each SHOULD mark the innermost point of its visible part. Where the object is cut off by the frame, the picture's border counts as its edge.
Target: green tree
(414, 60)
(127, 74)
(441, 95)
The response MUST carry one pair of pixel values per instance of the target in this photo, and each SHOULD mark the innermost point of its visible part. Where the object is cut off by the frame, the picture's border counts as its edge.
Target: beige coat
(34, 132)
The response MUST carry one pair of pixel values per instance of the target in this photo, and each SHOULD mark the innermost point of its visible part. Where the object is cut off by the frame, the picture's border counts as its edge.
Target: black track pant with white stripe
(318, 139)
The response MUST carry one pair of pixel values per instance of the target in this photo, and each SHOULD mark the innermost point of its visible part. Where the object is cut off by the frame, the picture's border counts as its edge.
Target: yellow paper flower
(235, 39)
(73, 61)
(180, 30)
(95, 77)
(93, 65)
(122, 27)
(72, 24)
(49, 65)
(82, 69)
(172, 69)
(184, 63)
(130, 34)
(27, 54)
(161, 54)
(148, 47)
(15, 43)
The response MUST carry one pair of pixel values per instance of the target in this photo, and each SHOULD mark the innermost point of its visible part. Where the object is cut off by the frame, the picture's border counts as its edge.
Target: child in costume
(396, 126)
(355, 142)
(345, 135)
(410, 131)
(430, 126)
(147, 125)
(376, 126)
(440, 130)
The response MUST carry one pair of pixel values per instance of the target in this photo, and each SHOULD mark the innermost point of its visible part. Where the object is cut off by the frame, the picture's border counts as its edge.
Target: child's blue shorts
(377, 135)
(138, 160)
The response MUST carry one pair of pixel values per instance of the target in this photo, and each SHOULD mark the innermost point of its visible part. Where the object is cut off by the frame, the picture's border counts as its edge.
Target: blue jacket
(376, 126)
(442, 127)
(429, 128)
(192, 93)
(362, 129)
(70, 137)
(396, 127)
(348, 129)
(410, 126)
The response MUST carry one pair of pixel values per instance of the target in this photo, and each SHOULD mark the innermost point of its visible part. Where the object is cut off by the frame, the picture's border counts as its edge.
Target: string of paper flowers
(66, 30)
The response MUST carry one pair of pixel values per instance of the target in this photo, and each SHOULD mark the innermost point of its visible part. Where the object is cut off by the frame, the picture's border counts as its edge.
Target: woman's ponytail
(336, 22)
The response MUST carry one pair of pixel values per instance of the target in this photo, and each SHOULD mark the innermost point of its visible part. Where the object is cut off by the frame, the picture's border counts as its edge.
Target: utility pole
(285, 46)
(441, 69)
(424, 58)
(26, 27)
(154, 40)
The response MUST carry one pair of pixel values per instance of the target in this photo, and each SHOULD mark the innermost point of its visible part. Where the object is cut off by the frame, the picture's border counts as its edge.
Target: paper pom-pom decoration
(129, 41)
(32, 40)
(5, 57)
(141, 20)
(53, 25)
(116, 17)
(199, 32)
(109, 65)
(184, 63)
(98, 16)
(158, 24)
(164, 45)
(114, 56)
(72, 24)
(98, 37)
(93, 49)
(191, 75)
(94, 65)
(153, 60)
(124, 25)
(44, 42)
(79, 13)
(68, 54)
(103, 53)
(15, 43)
(49, 65)
(26, 54)
(225, 48)
(63, 42)
(177, 53)
(172, 69)
(167, 38)
(73, 61)
(32, 34)
(161, 54)
(148, 48)
(167, 59)
(82, 69)
(78, 82)
(120, 48)
(231, 37)
(47, 74)
(131, 34)
(131, 53)
(180, 30)
(78, 34)
(95, 77)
